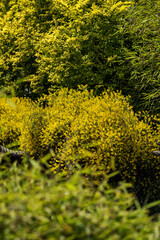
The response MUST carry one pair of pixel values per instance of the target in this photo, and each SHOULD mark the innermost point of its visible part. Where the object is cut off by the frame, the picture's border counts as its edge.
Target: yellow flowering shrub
(17, 117)
(12, 115)
(93, 131)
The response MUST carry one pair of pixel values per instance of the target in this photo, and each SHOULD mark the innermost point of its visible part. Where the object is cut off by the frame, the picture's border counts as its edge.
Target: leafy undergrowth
(33, 206)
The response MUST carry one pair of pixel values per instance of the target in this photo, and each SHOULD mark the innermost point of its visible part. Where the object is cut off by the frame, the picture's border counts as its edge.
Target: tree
(22, 24)
(50, 44)
(83, 50)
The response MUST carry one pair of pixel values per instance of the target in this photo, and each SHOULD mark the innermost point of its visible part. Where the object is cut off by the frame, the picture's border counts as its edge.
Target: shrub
(12, 115)
(91, 131)
(17, 114)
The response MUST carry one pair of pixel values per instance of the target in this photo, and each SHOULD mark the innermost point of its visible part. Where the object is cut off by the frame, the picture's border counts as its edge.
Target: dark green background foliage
(142, 55)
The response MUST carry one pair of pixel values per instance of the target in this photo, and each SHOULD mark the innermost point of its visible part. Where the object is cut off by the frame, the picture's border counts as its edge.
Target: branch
(14, 155)
(156, 153)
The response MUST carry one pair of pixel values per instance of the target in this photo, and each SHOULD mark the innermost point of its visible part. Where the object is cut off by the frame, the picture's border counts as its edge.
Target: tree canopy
(45, 45)
(48, 44)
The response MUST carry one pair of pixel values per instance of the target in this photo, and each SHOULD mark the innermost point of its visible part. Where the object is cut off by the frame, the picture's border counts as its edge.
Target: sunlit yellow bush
(17, 119)
(101, 132)
(96, 131)
(12, 114)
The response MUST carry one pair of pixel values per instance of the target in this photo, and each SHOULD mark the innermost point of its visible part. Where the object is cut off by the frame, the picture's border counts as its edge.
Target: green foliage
(84, 49)
(141, 35)
(22, 24)
(49, 44)
(35, 207)
(45, 45)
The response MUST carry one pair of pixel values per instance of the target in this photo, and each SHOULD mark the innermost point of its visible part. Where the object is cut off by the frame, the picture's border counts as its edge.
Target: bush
(35, 207)
(14, 113)
(91, 131)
